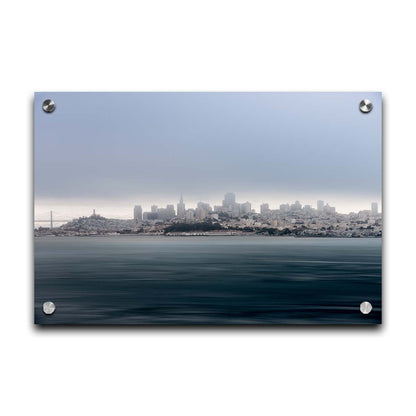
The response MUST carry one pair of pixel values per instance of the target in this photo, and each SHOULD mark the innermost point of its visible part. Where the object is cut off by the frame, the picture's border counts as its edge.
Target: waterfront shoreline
(253, 235)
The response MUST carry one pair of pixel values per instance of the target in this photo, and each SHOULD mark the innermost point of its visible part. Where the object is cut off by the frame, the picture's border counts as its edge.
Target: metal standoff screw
(366, 308)
(366, 106)
(48, 106)
(48, 308)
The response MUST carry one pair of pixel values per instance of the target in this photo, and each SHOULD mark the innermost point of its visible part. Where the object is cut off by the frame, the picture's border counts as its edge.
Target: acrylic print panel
(208, 208)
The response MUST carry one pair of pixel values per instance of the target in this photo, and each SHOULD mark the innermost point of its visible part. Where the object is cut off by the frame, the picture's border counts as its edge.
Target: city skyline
(149, 206)
(232, 206)
(232, 215)
(122, 208)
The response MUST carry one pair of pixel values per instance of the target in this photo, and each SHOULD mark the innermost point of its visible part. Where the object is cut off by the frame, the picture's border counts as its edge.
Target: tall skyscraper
(320, 205)
(181, 208)
(229, 205)
(153, 209)
(138, 213)
(374, 208)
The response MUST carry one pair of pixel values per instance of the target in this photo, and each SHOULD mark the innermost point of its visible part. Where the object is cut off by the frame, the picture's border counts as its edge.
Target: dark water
(207, 280)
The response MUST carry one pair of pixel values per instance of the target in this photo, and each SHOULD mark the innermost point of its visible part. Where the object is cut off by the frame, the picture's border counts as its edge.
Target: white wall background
(214, 45)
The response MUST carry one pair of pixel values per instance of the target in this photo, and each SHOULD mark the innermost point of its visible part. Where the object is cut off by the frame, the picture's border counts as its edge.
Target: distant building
(245, 208)
(327, 209)
(264, 209)
(170, 211)
(189, 215)
(229, 205)
(307, 209)
(162, 214)
(284, 207)
(205, 206)
(374, 208)
(138, 213)
(181, 208)
(167, 213)
(147, 216)
(297, 206)
(229, 199)
(153, 208)
(235, 212)
(202, 210)
(200, 213)
(363, 215)
(320, 205)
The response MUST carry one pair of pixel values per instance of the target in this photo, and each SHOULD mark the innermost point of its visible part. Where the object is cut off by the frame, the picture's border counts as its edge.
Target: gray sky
(112, 150)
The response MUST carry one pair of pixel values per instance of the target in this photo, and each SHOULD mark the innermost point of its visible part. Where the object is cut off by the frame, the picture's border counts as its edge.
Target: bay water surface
(207, 280)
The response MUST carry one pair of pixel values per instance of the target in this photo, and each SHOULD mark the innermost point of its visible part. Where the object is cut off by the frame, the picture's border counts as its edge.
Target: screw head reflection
(366, 308)
(49, 308)
(366, 106)
(48, 106)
